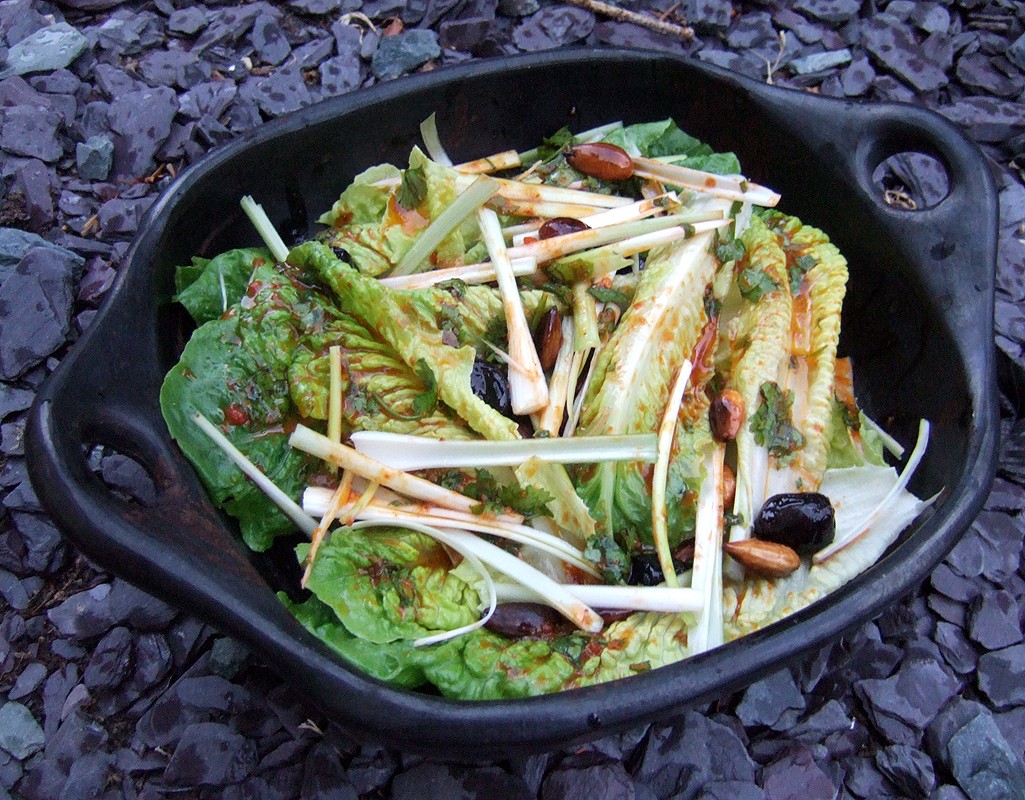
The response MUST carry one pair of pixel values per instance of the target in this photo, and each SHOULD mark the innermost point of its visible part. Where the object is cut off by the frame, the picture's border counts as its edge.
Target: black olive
(803, 521)
(342, 255)
(561, 226)
(519, 620)
(491, 385)
(645, 570)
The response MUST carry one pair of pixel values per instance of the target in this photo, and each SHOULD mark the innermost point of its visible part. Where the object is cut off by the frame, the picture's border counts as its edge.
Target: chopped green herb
(753, 283)
(605, 295)
(495, 498)
(729, 250)
(797, 269)
(413, 189)
(729, 519)
(426, 402)
(555, 144)
(611, 559)
(772, 423)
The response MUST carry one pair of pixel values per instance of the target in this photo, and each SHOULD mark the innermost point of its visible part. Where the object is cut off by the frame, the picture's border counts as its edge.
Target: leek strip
(724, 186)
(590, 135)
(497, 162)
(339, 498)
(643, 243)
(578, 400)
(558, 389)
(476, 194)
(630, 213)
(459, 546)
(408, 453)
(539, 192)
(585, 317)
(334, 398)
(857, 531)
(683, 600)
(708, 554)
(265, 228)
(659, 531)
(528, 390)
(318, 445)
(895, 448)
(470, 274)
(557, 246)
(539, 208)
(429, 132)
(291, 509)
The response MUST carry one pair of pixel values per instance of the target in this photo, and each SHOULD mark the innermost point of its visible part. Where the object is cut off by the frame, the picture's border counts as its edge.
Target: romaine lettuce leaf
(209, 287)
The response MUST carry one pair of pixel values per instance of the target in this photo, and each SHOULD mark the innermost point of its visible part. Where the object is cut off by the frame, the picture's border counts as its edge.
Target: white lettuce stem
(616, 598)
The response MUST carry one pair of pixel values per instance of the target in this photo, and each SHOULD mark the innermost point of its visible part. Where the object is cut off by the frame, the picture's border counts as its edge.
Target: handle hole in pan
(124, 475)
(911, 180)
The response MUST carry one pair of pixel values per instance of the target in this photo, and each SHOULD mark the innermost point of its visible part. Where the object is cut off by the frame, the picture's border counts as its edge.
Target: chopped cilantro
(611, 559)
(729, 250)
(753, 283)
(797, 269)
(495, 498)
(427, 401)
(729, 519)
(772, 423)
(605, 295)
(413, 189)
(362, 402)
(555, 144)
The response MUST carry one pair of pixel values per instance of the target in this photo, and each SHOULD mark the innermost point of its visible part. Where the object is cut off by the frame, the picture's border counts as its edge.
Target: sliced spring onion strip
(724, 186)
(857, 531)
(558, 388)
(316, 444)
(539, 192)
(507, 159)
(456, 544)
(470, 273)
(528, 390)
(590, 135)
(475, 194)
(895, 448)
(539, 208)
(292, 510)
(334, 398)
(265, 228)
(615, 598)
(339, 498)
(545, 250)
(405, 452)
(707, 631)
(429, 132)
(613, 216)
(666, 429)
(585, 317)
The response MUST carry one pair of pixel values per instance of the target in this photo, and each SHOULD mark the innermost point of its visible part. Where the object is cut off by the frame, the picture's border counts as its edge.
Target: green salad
(543, 419)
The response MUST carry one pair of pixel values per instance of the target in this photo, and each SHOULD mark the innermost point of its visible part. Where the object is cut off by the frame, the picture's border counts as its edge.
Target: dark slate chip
(987, 119)
(977, 71)
(53, 47)
(771, 701)
(88, 776)
(518, 8)
(86, 614)
(994, 622)
(430, 781)
(12, 590)
(120, 217)
(111, 661)
(20, 734)
(76, 735)
(278, 93)
(309, 55)
(571, 781)
(908, 768)
(208, 98)
(28, 681)
(114, 82)
(820, 62)
(324, 776)
(1002, 676)
(30, 132)
(894, 45)
(948, 583)
(269, 40)
(724, 790)
(166, 720)
(1006, 496)
(211, 693)
(901, 706)
(1001, 538)
(187, 21)
(322, 7)
(552, 27)
(142, 119)
(832, 11)
(341, 74)
(172, 67)
(796, 776)
(404, 52)
(372, 769)
(36, 180)
(832, 718)
(210, 754)
(463, 34)
(228, 657)
(957, 650)
(692, 753)
(983, 763)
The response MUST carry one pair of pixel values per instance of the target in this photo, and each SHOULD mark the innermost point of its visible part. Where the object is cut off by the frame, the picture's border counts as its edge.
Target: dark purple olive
(491, 385)
(803, 521)
(521, 620)
(645, 570)
(560, 226)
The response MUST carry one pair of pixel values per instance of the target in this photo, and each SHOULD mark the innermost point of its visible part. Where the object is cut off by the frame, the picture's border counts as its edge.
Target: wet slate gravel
(108, 693)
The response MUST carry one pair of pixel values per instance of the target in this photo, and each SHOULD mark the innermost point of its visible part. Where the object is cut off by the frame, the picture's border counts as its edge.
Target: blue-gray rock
(28, 680)
(993, 621)
(15, 243)
(14, 593)
(208, 98)
(94, 158)
(309, 55)
(727, 790)
(321, 7)
(551, 27)
(114, 82)
(172, 68)
(120, 217)
(36, 181)
(983, 764)
(87, 777)
(227, 657)
(573, 779)
(893, 44)
(187, 21)
(819, 62)
(955, 648)
(908, 768)
(86, 614)
(930, 17)
(902, 705)
(796, 776)
(1002, 676)
(1016, 52)
(142, 120)
(111, 660)
(518, 8)
(833, 11)
(128, 32)
(771, 700)
(35, 309)
(404, 52)
(13, 399)
(269, 40)
(976, 70)
(283, 91)
(31, 132)
(53, 47)
(20, 734)
(210, 754)
(463, 34)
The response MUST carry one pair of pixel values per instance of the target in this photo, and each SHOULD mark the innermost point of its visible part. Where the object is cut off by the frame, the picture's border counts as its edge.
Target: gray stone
(1016, 52)
(28, 681)
(15, 243)
(819, 62)
(210, 754)
(1002, 676)
(269, 40)
(894, 45)
(31, 132)
(142, 118)
(834, 11)
(51, 48)
(20, 734)
(279, 93)
(404, 52)
(94, 157)
(983, 763)
(188, 21)
(518, 8)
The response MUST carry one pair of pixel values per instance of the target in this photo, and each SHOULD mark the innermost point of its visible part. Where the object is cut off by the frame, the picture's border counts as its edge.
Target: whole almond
(769, 559)
(601, 160)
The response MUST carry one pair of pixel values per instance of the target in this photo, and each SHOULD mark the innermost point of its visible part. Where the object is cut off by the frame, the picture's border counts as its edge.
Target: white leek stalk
(265, 228)
(429, 132)
(470, 274)
(725, 186)
(682, 600)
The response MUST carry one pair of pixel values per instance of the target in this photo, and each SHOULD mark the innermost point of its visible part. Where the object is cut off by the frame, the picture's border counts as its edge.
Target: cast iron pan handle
(105, 394)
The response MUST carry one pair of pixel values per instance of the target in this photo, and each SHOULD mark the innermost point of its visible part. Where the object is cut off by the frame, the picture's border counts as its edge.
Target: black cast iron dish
(917, 320)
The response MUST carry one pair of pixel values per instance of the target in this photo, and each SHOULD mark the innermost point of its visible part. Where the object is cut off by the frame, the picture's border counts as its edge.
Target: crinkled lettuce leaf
(209, 287)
